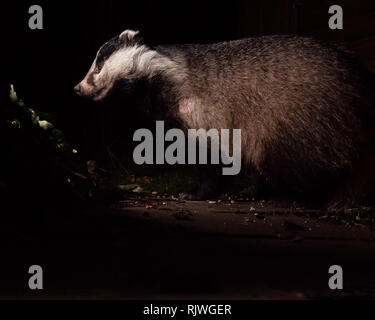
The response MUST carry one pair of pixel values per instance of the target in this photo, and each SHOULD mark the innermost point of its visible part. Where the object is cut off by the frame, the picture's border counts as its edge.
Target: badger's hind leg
(358, 187)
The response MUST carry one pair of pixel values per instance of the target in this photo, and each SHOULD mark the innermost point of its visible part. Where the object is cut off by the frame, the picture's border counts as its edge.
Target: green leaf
(13, 94)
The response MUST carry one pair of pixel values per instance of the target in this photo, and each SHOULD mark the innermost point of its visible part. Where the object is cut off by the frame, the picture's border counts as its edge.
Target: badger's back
(298, 102)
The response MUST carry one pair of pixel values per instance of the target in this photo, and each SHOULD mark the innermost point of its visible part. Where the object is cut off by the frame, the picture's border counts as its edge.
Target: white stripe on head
(138, 61)
(127, 59)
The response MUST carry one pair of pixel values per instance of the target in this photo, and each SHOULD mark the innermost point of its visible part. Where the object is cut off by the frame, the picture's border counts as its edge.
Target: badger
(305, 107)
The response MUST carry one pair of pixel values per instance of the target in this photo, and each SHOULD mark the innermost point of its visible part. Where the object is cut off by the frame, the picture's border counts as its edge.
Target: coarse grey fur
(301, 104)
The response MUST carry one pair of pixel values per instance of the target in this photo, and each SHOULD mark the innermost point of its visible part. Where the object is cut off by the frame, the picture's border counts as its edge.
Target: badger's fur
(301, 104)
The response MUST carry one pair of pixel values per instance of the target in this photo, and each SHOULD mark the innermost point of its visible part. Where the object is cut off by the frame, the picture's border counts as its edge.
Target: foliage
(37, 164)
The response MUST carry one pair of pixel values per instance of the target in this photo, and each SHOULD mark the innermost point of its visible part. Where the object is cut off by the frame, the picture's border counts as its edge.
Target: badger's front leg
(208, 180)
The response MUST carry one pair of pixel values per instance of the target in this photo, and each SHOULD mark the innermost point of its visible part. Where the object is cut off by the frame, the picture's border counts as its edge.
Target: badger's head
(123, 58)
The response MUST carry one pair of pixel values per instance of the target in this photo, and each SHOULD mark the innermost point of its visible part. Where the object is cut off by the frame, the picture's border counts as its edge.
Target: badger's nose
(77, 89)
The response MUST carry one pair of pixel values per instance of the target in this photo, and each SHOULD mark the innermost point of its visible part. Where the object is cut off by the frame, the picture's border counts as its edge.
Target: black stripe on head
(107, 49)
(115, 44)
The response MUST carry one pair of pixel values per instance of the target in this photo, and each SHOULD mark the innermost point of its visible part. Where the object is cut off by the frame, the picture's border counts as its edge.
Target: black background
(44, 65)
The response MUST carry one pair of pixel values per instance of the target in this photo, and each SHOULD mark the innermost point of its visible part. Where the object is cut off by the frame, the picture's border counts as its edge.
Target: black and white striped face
(122, 57)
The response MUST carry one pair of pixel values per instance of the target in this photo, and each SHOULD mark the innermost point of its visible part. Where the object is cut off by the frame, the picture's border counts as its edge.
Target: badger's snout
(77, 89)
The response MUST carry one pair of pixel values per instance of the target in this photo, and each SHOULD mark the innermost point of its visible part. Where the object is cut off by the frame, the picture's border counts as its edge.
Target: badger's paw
(200, 195)
(190, 197)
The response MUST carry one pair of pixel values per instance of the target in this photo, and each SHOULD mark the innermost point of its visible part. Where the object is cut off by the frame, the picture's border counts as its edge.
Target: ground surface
(150, 247)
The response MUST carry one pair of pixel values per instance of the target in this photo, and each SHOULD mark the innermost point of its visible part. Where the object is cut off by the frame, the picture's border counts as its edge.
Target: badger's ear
(130, 37)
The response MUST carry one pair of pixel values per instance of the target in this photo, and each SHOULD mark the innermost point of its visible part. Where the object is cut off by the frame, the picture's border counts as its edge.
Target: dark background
(44, 65)
(111, 251)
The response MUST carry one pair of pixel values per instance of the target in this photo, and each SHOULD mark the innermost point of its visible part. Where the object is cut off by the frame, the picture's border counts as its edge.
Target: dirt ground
(155, 247)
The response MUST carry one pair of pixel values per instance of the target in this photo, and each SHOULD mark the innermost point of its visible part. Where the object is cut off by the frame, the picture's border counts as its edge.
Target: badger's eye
(97, 69)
